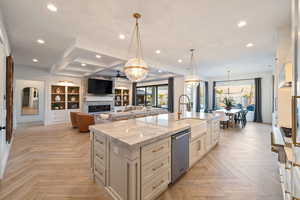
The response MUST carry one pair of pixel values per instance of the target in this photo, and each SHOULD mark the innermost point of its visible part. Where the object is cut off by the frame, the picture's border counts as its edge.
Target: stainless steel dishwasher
(180, 154)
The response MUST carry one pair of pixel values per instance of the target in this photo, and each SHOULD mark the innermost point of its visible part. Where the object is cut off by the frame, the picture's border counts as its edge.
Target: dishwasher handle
(180, 136)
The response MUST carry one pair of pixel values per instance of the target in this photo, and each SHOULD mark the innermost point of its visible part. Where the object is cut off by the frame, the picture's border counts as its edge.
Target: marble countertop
(142, 131)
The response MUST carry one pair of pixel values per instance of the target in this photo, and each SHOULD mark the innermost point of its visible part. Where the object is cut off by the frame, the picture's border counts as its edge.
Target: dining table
(231, 114)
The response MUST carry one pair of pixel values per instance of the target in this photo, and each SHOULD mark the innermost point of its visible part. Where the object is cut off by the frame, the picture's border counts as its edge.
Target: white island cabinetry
(132, 158)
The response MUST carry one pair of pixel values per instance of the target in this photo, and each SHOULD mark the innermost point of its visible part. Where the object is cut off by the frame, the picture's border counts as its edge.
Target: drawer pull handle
(99, 141)
(156, 186)
(99, 172)
(199, 146)
(157, 150)
(156, 168)
(101, 157)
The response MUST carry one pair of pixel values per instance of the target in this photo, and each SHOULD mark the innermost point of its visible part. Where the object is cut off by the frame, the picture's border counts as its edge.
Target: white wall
(4, 147)
(20, 85)
(35, 74)
(266, 83)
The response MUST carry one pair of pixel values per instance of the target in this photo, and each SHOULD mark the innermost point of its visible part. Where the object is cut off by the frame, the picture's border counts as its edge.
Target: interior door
(3, 145)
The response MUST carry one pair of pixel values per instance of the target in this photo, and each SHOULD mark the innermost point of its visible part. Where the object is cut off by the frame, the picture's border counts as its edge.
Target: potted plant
(228, 103)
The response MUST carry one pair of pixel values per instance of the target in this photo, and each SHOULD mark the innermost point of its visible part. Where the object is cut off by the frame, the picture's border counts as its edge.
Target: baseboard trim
(4, 160)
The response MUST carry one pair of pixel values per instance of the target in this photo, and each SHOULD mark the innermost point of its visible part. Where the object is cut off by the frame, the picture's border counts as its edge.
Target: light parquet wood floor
(52, 163)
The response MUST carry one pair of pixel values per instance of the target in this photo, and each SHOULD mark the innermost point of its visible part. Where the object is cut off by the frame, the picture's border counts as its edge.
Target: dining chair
(242, 118)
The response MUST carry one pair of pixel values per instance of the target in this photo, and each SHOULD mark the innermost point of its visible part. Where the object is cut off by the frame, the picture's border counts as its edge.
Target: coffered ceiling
(80, 30)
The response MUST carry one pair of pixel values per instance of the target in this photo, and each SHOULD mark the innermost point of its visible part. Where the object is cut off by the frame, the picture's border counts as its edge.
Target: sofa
(131, 112)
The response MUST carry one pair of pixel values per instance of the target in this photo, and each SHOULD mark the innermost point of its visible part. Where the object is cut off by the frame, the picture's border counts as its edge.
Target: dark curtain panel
(257, 112)
(206, 96)
(214, 96)
(9, 97)
(133, 94)
(171, 94)
(198, 106)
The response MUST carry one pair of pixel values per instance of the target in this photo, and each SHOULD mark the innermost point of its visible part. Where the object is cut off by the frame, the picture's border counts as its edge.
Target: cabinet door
(296, 181)
(197, 149)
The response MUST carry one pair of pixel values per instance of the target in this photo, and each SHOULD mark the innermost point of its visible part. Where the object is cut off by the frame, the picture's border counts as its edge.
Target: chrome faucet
(188, 104)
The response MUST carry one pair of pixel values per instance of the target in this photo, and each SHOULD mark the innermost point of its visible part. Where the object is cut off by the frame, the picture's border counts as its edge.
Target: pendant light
(136, 68)
(192, 79)
(228, 82)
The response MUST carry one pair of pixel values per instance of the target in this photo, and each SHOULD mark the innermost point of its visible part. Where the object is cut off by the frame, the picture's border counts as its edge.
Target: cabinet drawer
(197, 149)
(199, 130)
(99, 142)
(99, 156)
(155, 150)
(153, 188)
(152, 170)
(99, 171)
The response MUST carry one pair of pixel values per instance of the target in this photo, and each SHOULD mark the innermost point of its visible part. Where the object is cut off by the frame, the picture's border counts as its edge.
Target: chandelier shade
(192, 79)
(136, 68)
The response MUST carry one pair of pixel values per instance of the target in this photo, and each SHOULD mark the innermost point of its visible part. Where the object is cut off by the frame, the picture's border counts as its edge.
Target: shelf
(73, 101)
(58, 93)
(73, 94)
(58, 102)
(289, 153)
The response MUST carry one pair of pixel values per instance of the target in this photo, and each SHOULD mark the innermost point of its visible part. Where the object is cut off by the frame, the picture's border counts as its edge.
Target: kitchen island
(132, 158)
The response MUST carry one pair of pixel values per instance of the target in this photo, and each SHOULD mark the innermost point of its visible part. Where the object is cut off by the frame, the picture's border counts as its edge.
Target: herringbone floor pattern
(52, 163)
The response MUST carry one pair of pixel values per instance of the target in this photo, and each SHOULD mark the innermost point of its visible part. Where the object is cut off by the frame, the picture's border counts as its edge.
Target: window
(140, 96)
(242, 92)
(191, 92)
(162, 96)
(155, 96)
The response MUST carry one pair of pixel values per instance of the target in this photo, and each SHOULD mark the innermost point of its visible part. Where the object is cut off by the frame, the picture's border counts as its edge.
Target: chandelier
(136, 68)
(192, 79)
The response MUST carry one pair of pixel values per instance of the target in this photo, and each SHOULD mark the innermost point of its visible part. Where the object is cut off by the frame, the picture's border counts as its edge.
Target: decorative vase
(57, 98)
(73, 99)
(228, 107)
(57, 90)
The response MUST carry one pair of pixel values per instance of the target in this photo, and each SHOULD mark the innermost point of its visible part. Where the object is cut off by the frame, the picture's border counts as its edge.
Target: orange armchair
(73, 116)
(84, 121)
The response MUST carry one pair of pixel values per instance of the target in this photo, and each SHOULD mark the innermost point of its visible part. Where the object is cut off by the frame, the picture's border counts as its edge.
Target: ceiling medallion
(136, 68)
(192, 79)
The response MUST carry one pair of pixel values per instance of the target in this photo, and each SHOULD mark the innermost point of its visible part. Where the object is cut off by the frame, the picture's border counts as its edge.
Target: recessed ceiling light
(41, 41)
(122, 37)
(180, 61)
(35, 60)
(157, 51)
(160, 71)
(241, 24)
(83, 64)
(52, 7)
(98, 56)
(249, 45)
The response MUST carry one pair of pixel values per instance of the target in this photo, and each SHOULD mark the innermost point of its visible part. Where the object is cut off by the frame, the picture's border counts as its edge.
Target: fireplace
(99, 108)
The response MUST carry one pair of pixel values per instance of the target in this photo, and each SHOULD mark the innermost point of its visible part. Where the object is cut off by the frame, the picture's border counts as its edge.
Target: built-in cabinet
(64, 99)
(121, 97)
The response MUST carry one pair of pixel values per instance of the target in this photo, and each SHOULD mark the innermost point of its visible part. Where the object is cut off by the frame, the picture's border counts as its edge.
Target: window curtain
(214, 96)
(206, 96)
(198, 106)
(171, 94)
(257, 112)
(134, 94)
